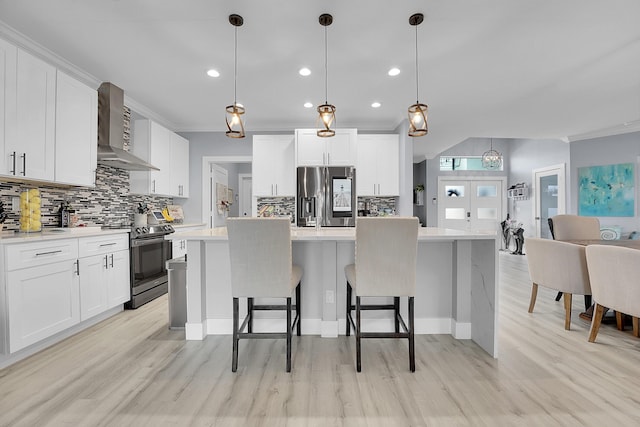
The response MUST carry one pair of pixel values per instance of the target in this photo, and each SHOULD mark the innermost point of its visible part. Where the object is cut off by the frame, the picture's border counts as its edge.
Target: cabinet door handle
(13, 156)
(77, 263)
(111, 260)
(328, 158)
(154, 186)
(108, 244)
(374, 189)
(106, 262)
(49, 253)
(276, 190)
(24, 164)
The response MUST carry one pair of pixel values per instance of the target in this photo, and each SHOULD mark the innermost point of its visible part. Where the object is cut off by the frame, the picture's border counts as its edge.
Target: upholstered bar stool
(261, 267)
(385, 266)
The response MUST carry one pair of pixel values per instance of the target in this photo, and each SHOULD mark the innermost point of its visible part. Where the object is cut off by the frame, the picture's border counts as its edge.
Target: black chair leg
(558, 296)
(289, 333)
(396, 313)
(412, 349)
(234, 356)
(298, 311)
(587, 302)
(358, 329)
(348, 309)
(250, 313)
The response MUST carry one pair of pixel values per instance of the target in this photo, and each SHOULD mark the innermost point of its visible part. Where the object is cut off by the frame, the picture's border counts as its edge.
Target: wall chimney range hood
(111, 131)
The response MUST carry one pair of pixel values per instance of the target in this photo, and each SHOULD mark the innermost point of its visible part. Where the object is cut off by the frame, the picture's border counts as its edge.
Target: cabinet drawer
(34, 254)
(103, 244)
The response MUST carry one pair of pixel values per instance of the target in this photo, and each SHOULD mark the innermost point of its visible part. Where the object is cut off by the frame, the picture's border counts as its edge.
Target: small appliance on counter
(155, 218)
(66, 216)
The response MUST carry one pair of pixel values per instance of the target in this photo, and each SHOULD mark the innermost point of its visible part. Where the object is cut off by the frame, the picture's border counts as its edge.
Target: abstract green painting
(607, 190)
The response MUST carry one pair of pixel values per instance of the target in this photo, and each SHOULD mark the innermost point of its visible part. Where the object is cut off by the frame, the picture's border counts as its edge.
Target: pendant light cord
(326, 68)
(235, 68)
(417, 91)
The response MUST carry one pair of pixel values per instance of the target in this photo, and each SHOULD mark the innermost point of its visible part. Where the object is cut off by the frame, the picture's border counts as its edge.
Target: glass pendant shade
(326, 116)
(235, 126)
(491, 159)
(418, 120)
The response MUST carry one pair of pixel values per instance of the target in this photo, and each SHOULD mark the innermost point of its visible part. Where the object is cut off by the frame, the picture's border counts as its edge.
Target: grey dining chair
(385, 266)
(261, 267)
(614, 273)
(557, 265)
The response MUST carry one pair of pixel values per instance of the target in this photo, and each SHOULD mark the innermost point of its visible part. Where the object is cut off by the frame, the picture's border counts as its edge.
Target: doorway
(470, 203)
(245, 195)
(549, 197)
(219, 196)
(243, 165)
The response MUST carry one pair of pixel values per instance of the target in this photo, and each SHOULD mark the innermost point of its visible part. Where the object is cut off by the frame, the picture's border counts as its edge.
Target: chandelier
(491, 159)
(326, 111)
(418, 111)
(234, 112)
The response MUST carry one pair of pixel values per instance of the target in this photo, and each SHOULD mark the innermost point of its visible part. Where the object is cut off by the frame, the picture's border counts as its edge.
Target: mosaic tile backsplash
(109, 203)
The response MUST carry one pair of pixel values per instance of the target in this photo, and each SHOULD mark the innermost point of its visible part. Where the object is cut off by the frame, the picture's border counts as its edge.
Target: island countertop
(339, 234)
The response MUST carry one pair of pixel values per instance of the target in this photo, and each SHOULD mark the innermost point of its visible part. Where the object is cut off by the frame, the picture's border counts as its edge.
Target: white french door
(470, 203)
(549, 197)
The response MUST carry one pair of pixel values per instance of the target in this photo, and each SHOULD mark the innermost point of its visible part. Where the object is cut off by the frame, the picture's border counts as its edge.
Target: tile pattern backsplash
(109, 203)
(278, 206)
(380, 203)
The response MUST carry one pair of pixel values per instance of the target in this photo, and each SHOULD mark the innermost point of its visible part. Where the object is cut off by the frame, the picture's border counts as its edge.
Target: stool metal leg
(412, 351)
(234, 356)
(250, 313)
(396, 313)
(348, 309)
(298, 311)
(289, 332)
(358, 329)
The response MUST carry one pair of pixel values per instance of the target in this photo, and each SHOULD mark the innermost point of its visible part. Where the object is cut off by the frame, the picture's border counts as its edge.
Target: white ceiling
(565, 69)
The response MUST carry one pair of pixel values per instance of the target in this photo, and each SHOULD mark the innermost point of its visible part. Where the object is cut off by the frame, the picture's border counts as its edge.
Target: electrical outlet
(330, 297)
(15, 203)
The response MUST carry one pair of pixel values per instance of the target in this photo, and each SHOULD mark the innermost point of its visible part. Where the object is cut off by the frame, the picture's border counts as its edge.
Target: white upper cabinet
(273, 169)
(76, 132)
(180, 166)
(152, 143)
(8, 56)
(30, 143)
(378, 165)
(338, 150)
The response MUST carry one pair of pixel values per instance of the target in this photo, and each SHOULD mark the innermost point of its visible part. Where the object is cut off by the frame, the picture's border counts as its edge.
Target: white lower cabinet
(178, 248)
(104, 275)
(49, 289)
(42, 291)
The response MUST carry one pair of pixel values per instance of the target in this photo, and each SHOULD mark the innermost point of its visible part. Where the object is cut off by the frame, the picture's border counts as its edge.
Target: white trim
(241, 178)
(194, 331)
(460, 331)
(329, 328)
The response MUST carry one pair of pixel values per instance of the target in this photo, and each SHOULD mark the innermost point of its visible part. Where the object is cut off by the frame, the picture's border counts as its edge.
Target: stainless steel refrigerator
(326, 196)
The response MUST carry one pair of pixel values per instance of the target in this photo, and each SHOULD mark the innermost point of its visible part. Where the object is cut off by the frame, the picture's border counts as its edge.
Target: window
(463, 163)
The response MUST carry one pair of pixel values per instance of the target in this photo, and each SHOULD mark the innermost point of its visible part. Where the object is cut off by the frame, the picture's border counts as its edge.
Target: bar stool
(385, 266)
(261, 267)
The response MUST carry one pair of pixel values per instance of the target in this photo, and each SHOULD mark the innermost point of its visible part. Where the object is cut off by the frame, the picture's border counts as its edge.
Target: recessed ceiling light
(394, 72)
(304, 71)
(376, 105)
(213, 73)
(308, 105)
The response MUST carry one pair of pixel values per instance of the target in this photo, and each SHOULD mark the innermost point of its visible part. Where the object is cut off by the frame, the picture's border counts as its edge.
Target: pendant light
(326, 111)
(418, 111)
(491, 159)
(234, 112)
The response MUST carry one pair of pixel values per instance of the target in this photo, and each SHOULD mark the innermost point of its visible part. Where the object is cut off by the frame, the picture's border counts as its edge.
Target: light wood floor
(132, 370)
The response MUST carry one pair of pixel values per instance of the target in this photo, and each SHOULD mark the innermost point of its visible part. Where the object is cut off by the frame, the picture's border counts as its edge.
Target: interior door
(474, 204)
(219, 178)
(549, 197)
(245, 195)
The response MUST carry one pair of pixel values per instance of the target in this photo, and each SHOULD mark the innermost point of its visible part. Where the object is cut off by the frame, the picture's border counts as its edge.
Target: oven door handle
(144, 242)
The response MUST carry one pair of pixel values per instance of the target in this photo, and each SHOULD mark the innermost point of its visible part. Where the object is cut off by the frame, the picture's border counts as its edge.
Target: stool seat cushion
(350, 272)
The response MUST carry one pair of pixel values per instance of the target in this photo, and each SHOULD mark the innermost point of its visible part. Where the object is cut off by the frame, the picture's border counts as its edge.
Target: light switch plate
(330, 297)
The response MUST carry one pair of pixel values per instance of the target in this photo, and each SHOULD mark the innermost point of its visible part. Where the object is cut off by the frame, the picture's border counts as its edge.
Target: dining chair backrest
(558, 265)
(614, 273)
(575, 227)
(385, 260)
(260, 255)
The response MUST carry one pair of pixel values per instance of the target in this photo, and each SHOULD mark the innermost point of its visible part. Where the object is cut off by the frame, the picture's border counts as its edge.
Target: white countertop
(339, 233)
(10, 237)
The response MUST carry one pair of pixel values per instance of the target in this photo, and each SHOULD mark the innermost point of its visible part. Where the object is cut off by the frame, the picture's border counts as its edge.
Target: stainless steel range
(149, 254)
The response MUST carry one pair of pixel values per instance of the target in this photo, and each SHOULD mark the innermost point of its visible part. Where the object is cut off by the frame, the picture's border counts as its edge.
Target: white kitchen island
(456, 289)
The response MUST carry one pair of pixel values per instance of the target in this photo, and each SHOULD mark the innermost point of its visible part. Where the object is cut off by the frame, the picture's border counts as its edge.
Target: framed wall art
(607, 190)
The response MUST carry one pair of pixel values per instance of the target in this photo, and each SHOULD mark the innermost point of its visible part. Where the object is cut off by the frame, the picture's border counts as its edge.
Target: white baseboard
(423, 326)
(225, 326)
(194, 331)
(460, 331)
